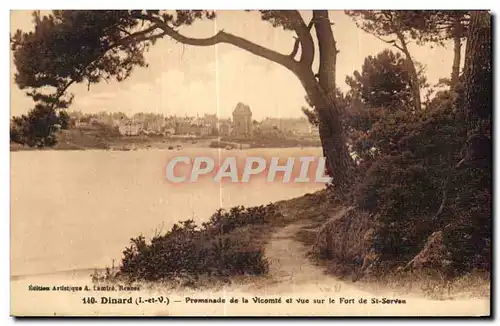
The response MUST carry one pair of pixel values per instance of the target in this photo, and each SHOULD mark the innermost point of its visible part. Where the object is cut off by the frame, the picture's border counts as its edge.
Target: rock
(433, 255)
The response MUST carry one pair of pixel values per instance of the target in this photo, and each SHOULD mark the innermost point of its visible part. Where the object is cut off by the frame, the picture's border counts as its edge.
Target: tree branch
(388, 15)
(303, 32)
(223, 37)
(139, 36)
(391, 42)
(295, 48)
(297, 40)
(393, 23)
(310, 25)
(403, 46)
(123, 30)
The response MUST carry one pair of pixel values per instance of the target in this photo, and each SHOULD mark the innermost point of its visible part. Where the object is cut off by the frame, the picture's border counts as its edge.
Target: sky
(187, 80)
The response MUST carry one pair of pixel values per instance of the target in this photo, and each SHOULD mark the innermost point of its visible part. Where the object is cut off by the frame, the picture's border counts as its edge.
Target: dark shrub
(403, 184)
(215, 249)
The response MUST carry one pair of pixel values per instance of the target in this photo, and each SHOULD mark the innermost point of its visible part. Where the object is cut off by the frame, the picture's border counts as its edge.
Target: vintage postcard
(250, 163)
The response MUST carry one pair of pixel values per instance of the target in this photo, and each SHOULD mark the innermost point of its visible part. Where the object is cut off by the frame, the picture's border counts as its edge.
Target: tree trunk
(415, 83)
(478, 75)
(339, 163)
(457, 48)
(335, 148)
(476, 193)
(321, 92)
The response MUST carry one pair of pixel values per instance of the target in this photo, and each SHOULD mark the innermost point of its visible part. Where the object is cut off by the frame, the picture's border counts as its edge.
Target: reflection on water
(78, 209)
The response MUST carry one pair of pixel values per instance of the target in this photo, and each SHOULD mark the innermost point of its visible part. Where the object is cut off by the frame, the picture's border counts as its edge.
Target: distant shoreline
(76, 140)
(15, 148)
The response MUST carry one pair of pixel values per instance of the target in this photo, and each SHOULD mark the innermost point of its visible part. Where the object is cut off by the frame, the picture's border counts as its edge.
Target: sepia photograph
(251, 163)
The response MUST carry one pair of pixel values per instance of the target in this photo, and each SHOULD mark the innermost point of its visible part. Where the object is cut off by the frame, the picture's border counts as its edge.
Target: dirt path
(288, 258)
(290, 267)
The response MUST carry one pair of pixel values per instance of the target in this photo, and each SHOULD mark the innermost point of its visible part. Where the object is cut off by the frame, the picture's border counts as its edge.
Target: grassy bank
(337, 236)
(231, 247)
(230, 244)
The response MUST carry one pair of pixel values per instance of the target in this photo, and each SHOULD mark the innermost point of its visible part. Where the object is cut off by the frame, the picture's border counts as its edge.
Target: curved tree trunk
(321, 92)
(339, 163)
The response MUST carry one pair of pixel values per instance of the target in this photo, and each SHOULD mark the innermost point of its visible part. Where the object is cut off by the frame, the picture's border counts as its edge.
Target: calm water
(78, 209)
